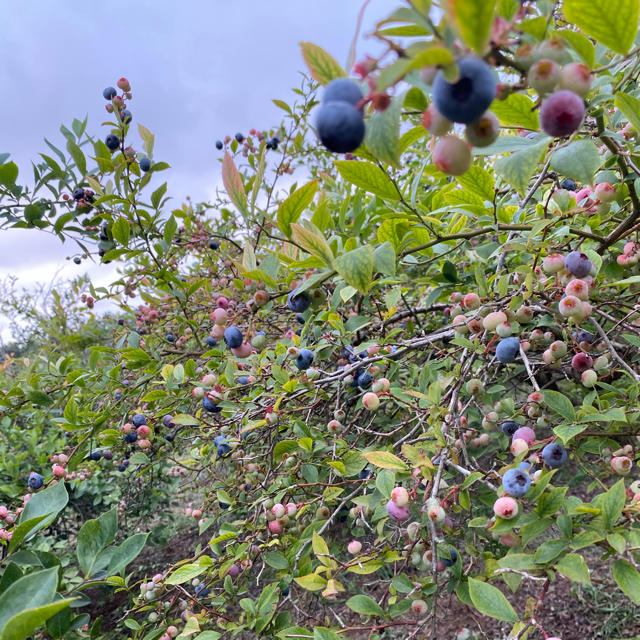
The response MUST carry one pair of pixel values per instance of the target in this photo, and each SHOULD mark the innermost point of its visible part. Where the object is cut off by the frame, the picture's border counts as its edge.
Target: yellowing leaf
(472, 20)
(312, 582)
(323, 66)
(356, 267)
(313, 242)
(385, 460)
(291, 209)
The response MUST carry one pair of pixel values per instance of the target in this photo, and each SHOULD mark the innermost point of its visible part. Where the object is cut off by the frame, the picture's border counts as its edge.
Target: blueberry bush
(394, 363)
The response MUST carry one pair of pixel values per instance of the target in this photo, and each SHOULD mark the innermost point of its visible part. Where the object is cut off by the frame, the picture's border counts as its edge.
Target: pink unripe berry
(292, 508)
(275, 527)
(397, 512)
(570, 307)
(435, 123)
(400, 496)
(576, 77)
(143, 430)
(483, 131)
(519, 446)
(460, 324)
(243, 351)
(144, 443)
(333, 426)
(471, 301)
(505, 507)
(382, 385)
(222, 302)
(419, 607)
(354, 547)
(452, 156)
(196, 514)
(621, 465)
(234, 571)
(561, 113)
(525, 433)
(589, 378)
(493, 319)
(577, 288)
(581, 362)
(543, 76)
(63, 459)
(217, 331)
(124, 85)
(553, 263)
(58, 471)
(278, 510)
(605, 192)
(209, 380)
(370, 401)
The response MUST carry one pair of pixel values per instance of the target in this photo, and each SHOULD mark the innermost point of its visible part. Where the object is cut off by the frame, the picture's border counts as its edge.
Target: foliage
(412, 278)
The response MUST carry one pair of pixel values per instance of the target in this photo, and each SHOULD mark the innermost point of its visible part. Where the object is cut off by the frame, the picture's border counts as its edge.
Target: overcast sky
(199, 69)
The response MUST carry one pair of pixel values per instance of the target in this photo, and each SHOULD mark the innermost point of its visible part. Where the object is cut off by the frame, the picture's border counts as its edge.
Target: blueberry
(211, 341)
(239, 137)
(285, 592)
(167, 421)
(507, 349)
(223, 505)
(304, 359)
(112, 142)
(243, 380)
(273, 143)
(214, 245)
(219, 439)
(470, 96)
(525, 466)
(223, 450)
(516, 482)
(78, 194)
(35, 480)
(300, 318)
(96, 454)
(210, 406)
(578, 264)
(340, 127)
(509, 427)
(171, 337)
(89, 196)
(138, 420)
(126, 116)
(568, 184)
(109, 93)
(169, 437)
(121, 322)
(554, 455)
(298, 302)
(117, 395)
(145, 164)
(107, 455)
(219, 144)
(364, 474)
(298, 332)
(77, 260)
(233, 337)
(585, 336)
(449, 557)
(343, 90)
(201, 590)
(130, 437)
(365, 380)
(124, 465)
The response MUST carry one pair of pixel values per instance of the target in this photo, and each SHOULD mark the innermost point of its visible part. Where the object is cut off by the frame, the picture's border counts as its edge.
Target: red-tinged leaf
(233, 183)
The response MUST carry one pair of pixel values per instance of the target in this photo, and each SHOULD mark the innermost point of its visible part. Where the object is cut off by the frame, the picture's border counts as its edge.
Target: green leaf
(323, 67)
(320, 549)
(276, 560)
(517, 110)
(384, 259)
(559, 403)
(567, 431)
(127, 551)
(613, 23)
(26, 622)
(93, 537)
(385, 460)
(78, 157)
(8, 174)
(121, 230)
(232, 181)
(383, 133)
(169, 231)
(369, 177)
(630, 107)
(579, 160)
(365, 606)
(45, 503)
(22, 530)
(518, 168)
(489, 600)
(356, 267)
(574, 567)
(147, 137)
(628, 579)
(311, 582)
(291, 209)
(313, 242)
(478, 181)
(473, 21)
(611, 504)
(185, 573)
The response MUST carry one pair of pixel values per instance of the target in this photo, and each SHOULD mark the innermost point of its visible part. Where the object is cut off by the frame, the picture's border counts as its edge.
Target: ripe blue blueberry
(340, 127)
(219, 144)
(507, 349)
(364, 474)
(516, 482)
(285, 592)
(130, 437)
(211, 341)
(223, 449)
(223, 505)
(304, 359)
(171, 337)
(509, 427)
(449, 557)
(298, 302)
(364, 380)
(233, 337)
(210, 406)
(138, 420)
(124, 465)
(584, 336)
(554, 455)
(214, 245)
(470, 96)
(239, 137)
(568, 184)
(300, 318)
(343, 90)
(578, 264)
(77, 260)
(242, 379)
(167, 421)
(35, 480)
(78, 194)
(112, 142)
(525, 466)
(169, 437)
(109, 93)
(96, 454)
(126, 116)
(145, 164)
